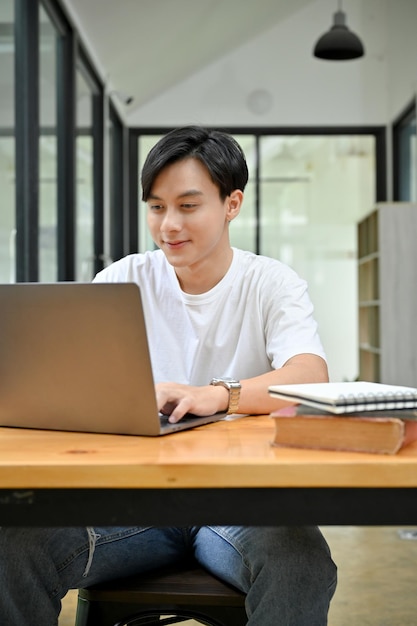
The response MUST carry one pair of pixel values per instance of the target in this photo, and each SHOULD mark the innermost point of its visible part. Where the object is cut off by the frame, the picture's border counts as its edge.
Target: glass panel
(313, 191)
(146, 142)
(48, 213)
(7, 144)
(243, 229)
(84, 181)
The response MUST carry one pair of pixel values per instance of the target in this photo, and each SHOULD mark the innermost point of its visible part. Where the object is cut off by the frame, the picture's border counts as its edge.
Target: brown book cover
(360, 433)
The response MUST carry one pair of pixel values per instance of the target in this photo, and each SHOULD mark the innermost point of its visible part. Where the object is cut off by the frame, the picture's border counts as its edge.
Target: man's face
(186, 216)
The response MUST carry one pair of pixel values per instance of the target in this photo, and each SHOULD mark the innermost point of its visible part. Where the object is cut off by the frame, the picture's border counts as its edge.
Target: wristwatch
(234, 388)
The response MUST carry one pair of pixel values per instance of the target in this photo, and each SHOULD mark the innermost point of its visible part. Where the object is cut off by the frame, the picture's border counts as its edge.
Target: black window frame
(400, 151)
(71, 56)
(86, 67)
(379, 132)
(66, 95)
(117, 193)
(26, 31)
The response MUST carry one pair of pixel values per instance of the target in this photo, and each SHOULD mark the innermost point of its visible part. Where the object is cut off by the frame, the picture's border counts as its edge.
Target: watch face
(225, 380)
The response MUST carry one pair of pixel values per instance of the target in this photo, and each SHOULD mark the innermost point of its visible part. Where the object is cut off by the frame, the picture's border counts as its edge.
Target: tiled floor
(377, 578)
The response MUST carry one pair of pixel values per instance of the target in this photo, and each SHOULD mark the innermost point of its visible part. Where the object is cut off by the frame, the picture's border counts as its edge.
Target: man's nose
(172, 220)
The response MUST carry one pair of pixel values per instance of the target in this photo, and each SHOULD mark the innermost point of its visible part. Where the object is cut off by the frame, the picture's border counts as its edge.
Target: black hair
(218, 151)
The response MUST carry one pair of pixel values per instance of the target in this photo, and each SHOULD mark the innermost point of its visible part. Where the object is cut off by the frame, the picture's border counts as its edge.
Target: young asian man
(223, 324)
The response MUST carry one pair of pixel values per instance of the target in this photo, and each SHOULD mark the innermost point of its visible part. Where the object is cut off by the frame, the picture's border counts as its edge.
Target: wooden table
(224, 473)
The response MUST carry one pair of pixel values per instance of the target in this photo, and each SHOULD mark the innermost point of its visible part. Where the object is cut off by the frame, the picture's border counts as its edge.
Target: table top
(228, 454)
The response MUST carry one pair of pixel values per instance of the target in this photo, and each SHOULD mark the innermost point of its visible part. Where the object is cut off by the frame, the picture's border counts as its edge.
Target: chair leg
(81, 617)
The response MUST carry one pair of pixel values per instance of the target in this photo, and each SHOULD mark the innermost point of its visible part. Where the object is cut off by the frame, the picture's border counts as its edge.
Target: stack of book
(353, 416)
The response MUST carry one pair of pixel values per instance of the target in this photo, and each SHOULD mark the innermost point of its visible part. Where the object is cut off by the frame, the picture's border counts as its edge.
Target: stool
(185, 591)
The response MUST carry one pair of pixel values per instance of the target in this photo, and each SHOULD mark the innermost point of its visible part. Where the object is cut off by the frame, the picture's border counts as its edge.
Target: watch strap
(234, 387)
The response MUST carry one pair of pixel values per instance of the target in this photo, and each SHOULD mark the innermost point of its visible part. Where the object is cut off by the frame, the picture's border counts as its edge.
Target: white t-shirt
(256, 318)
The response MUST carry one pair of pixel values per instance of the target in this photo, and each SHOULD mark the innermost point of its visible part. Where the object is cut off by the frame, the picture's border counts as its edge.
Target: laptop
(74, 356)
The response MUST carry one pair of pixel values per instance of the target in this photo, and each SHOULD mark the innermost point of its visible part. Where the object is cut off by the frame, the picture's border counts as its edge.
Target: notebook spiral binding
(389, 400)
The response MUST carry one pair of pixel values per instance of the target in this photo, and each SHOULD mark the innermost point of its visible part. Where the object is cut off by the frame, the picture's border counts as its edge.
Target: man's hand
(176, 400)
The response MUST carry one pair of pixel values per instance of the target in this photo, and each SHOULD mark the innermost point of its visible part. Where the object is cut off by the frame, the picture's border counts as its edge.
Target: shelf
(369, 334)
(387, 275)
(368, 348)
(368, 235)
(368, 279)
(368, 257)
(369, 365)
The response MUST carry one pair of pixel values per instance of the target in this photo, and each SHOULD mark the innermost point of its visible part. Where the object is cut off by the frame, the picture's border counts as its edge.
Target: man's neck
(202, 277)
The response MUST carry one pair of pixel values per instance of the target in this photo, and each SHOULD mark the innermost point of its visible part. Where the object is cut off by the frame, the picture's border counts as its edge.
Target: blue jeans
(287, 572)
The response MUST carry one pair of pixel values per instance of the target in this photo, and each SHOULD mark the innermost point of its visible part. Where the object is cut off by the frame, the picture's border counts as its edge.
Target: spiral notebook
(348, 397)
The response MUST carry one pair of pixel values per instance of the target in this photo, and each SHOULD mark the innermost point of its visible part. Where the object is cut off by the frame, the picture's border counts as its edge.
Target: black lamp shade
(339, 43)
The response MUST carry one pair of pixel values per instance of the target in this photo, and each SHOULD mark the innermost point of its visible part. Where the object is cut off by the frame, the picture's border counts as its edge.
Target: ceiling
(144, 47)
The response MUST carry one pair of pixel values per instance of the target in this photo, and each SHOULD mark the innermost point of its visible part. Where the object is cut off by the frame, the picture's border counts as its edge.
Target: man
(213, 313)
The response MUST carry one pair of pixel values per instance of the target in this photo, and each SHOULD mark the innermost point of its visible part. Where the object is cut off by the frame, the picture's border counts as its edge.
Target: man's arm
(302, 368)
(176, 399)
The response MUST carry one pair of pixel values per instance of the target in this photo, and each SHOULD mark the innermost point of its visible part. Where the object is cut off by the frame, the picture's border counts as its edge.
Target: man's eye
(188, 205)
(155, 207)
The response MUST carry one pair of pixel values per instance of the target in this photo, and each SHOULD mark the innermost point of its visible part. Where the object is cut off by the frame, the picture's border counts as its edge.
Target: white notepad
(346, 397)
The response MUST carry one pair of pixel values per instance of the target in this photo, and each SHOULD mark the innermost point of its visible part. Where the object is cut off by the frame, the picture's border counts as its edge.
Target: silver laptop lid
(75, 356)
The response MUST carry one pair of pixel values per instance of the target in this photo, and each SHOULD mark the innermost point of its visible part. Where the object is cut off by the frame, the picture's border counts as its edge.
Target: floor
(377, 577)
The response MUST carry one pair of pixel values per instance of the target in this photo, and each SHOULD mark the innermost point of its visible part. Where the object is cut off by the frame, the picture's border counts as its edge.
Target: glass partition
(48, 212)
(304, 198)
(244, 229)
(84, 180)
(313, 190)
(7, 144)
(146, 142)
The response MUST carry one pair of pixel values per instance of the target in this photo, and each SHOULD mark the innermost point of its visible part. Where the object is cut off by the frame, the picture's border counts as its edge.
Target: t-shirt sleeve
(121, 271)
(290, 327)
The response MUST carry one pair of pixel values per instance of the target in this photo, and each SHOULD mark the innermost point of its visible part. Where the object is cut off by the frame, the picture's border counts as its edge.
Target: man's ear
(234, 203)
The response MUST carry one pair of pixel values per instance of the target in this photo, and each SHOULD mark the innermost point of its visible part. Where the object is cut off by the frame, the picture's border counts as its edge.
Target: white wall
(401, 55)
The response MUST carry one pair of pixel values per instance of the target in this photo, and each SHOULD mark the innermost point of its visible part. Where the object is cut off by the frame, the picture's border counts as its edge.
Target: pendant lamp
(339, 43)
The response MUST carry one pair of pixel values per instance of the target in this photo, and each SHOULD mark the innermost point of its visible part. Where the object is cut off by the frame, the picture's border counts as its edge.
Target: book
(381, 433)
(348, 397)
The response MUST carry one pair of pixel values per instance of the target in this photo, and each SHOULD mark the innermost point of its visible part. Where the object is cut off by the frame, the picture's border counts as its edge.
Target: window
(51, 223)
(7, 145)
(305, 194)
(116, 186)
(84, 180)
(48, 183)
(89, 219)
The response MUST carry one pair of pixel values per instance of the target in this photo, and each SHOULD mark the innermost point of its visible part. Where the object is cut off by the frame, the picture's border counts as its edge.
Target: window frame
(379, 132)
